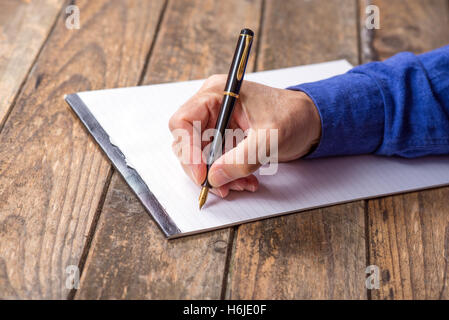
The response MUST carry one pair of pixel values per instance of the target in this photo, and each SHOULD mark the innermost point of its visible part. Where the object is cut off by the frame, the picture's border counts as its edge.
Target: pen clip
(242, 64)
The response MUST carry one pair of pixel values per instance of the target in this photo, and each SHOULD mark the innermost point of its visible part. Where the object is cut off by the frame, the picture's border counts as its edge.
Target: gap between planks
(93, 228)
(32, 65)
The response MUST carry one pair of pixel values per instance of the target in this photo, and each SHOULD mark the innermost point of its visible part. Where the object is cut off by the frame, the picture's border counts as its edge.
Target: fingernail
(252, 187)
(222, 193)
(194, 176)
(219, 177)
(239, 186)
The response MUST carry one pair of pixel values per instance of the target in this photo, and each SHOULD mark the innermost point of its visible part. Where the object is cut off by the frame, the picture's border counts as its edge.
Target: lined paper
(136, 120)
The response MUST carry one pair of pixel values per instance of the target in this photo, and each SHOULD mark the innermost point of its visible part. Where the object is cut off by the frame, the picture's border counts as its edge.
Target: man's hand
(260, 108)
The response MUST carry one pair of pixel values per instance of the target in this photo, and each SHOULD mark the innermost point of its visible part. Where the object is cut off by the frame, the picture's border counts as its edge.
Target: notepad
(131, 126)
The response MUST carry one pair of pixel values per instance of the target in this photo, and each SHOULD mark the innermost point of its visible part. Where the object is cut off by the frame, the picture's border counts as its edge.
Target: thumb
(237, 163)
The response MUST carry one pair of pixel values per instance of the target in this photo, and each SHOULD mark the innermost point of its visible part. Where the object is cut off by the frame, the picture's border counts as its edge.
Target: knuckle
(204, 99)
(215, 80)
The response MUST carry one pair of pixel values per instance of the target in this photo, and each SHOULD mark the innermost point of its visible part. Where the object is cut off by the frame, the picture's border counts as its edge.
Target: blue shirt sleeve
(399, 107)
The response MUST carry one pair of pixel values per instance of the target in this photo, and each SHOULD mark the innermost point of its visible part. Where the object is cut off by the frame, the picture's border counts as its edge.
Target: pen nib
(203, 196)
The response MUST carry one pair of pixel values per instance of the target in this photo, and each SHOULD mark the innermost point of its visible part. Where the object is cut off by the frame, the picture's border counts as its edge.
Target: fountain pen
(230, 96)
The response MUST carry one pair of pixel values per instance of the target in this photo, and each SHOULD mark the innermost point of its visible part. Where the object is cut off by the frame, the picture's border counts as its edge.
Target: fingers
(189, 155)
(237, 163)
(203, 106)
(187, 125)
(249, 183)
(198, 172)
(197, 114)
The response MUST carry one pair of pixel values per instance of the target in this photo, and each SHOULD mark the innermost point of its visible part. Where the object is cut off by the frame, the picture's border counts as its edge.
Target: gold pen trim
(241, 68)
(232, 94)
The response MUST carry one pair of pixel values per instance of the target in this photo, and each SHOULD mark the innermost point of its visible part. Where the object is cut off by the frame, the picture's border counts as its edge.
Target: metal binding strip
(232, 94)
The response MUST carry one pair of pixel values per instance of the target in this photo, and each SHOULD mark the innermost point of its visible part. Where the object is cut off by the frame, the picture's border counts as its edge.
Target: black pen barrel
(231, 94)
(239, 62)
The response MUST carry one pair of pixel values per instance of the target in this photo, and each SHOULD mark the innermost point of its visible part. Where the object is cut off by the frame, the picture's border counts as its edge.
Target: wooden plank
(52, 174)
(304, 32)
(318, 254)
(409, 233)
(130, 258)
(410, 25)
(409, 242)
(24, 26)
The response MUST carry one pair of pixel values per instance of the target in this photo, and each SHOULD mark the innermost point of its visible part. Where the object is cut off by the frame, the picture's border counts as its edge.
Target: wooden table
(62, 204)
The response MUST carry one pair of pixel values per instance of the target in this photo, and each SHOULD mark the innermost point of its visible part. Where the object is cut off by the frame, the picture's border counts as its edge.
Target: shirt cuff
(351, 108)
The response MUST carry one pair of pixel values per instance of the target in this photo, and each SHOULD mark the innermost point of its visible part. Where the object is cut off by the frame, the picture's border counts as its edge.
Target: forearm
(397, 107)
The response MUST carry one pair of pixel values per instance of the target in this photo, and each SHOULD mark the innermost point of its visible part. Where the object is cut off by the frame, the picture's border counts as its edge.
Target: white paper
(136, 119)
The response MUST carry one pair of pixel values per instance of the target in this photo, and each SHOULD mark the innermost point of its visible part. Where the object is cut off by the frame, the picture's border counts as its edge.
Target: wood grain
(409, 233)
(304, 32)
(52, 174)
(411, 25)
(409, 242)
(319, 254)
(198, 39)
(130, 258)
(24, 26)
